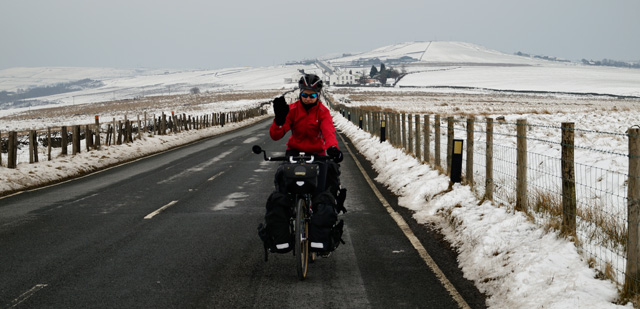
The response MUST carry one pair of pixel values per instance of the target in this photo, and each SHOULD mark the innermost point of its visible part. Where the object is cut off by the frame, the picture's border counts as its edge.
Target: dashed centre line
(161, 209)
(27, 294)
(215, 176)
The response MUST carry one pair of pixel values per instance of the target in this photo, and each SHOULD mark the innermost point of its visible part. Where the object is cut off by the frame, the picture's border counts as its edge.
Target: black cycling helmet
(310, 82)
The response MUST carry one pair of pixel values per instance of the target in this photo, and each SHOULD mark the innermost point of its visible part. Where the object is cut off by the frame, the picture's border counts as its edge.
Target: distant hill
(434, 52)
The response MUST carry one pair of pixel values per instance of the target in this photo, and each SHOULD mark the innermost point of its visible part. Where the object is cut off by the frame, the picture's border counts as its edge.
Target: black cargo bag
(333, 178)
(276, 232)
(324, 234)
(300, 178)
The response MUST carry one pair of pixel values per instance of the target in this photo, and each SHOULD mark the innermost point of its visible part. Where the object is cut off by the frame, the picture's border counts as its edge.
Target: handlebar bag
(301, 178)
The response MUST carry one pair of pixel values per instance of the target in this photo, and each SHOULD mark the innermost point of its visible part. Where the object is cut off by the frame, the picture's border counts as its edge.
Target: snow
(440, 52)
(550, 78)
(124, 84)
(62, 167)
(515, 262)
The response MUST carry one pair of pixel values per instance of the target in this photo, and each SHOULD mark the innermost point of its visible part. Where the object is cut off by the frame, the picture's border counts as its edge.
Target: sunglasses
(306, 95)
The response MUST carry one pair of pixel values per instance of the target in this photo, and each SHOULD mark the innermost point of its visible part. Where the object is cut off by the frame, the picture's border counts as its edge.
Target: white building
(342, 78)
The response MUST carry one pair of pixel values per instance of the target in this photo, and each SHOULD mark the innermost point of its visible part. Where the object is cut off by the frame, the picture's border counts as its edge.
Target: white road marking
(251, 140)
(198, 168)
(412, 237)
(161, 209)
(27, 294)
(215, 176)
(84, 198)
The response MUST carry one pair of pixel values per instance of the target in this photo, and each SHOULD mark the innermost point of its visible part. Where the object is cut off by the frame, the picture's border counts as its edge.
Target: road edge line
(422, 251)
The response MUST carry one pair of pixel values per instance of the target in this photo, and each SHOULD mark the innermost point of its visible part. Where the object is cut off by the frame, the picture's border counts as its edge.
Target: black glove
(281, 109)
(335, 153)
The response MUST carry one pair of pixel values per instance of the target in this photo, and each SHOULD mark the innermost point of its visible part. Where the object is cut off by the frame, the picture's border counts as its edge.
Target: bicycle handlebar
(293, 159)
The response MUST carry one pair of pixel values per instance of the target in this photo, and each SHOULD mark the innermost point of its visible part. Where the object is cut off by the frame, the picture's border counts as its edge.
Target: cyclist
(308, 119)
(314, 134)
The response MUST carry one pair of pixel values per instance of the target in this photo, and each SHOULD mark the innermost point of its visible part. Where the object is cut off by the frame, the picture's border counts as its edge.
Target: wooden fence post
(469, 171)
(114, 132)
(12, 158)
(174, 127)
(568, 181)
(521, 166)
(376, 122)
(75, 140)
(410, 136)
(48, 143)
(390, 129)
(403, 130)
(144, 130)
(126, 130)
(88, 137)
(398, 143)
(488, 191)
(32, 146)
(632, 276)
(163, 124)
(417, 138)
(450, 136)
(372, 117)
(119, 129)
(65, 140)
(107, 139)
(139, 128)
(427, 139)
(97, 142)
(436, 126)
(35, 146)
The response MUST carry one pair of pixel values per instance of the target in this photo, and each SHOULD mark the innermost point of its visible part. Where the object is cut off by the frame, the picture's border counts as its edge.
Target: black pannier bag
(324, 234)
(333, 178)
(300, 178)
(276, 233)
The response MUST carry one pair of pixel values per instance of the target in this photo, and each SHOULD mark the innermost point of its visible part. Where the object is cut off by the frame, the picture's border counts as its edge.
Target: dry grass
(547, 203)
(550, 205)
(614, 232)
(138, 106)
(444, 103)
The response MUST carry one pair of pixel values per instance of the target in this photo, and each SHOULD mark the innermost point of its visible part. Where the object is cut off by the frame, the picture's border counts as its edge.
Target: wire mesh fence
(576, 181)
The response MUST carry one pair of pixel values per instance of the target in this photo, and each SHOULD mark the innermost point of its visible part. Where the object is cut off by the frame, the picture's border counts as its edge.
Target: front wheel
(301, 242)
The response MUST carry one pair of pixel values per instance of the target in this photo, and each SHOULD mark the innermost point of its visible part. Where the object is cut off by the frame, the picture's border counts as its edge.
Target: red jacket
(312, 131)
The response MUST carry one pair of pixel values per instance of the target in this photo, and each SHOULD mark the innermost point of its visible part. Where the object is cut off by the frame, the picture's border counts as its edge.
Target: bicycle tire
(301, 240)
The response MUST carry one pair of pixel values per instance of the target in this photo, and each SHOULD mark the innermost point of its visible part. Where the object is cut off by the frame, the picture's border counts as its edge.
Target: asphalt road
(178, 230)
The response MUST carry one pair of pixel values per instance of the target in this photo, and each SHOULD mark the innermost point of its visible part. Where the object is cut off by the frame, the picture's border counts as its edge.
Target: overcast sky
(219, 33)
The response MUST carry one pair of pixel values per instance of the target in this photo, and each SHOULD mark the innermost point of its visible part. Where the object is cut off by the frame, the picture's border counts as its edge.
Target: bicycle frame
(301, 206)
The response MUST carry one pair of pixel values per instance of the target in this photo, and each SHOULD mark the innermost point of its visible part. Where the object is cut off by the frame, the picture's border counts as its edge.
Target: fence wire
(601, 178)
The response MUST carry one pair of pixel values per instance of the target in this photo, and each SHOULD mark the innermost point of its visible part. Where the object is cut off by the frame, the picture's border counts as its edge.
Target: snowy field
(517, 263)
